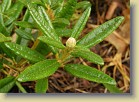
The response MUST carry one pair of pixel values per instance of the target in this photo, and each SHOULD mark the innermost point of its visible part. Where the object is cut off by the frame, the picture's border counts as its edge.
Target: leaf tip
(113, 82)
(101, 63)
(121, 18)
(20, 79)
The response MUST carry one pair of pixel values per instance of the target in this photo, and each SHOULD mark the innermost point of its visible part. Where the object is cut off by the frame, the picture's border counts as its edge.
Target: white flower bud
(71, 42)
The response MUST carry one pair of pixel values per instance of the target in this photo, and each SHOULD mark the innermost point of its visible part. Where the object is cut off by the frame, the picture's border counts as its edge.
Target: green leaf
(112, 88)
(4, 48)
(37, 2)
(54, 4)
(43, 21)
(89, 73)
(46, 1)
(3, 29)
(43, 48)
(41, 85)
(60, 23)
(5, 81)
(80, 23)
(5, 5)
(24, 34)
(6, 84)
(1, 65)
(13, 13)
(24, 1)
(4, 39)
(7, 51)
(83, 52)
(27, 18)
(24, 24)
(39, 70)
(59, 8)
(63, 32)
(83, 5)
(51, 42)
(68, 9)
(101, 32)
(25, 52)
(10, 28)
(43, 14)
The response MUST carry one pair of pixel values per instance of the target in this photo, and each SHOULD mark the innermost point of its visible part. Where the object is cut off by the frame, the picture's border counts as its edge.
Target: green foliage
(83, 52)
(24, 34)
(51, 42)
(60, 23)
(43, 21)
(101, 32)
(6, 84)
(112, 88)
(39, 70)
(24, 24)
(13, 13)
(1, 65)
(25, 52)
(5, 5)
(36, 49)
(83, 5)
(80, 23)
(68, 7)
(63, 32)
(89, 73)
(4, 39)
(41, 85)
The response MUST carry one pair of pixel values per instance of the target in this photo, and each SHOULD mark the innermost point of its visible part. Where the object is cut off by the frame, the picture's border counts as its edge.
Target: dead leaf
(118, 41)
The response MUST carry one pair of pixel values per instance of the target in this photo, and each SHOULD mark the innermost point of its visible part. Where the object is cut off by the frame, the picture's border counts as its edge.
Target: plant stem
(20, 87)
(64, 54)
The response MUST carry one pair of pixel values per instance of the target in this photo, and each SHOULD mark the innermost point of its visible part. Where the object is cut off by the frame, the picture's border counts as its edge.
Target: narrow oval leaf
(6, 84)
(54, 3)
(59, 8)
(101, 32)
(52, 42)
(5, 5)
(83, 5)
(43, 48)
(85, 53)
(80, 23)
(60, 23)
(24, 34)
(3, 29)
(112, 88)
(39, 70)
(7, 87)
(24, 24)
(43, 21)
(49, 27)
(41, 85)
(5, 81)
(4, 39)
(89, 73)
(63, 32)
(68, 9)
(25, 52)
(7, 51)
(13, 13)
(46, 1)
